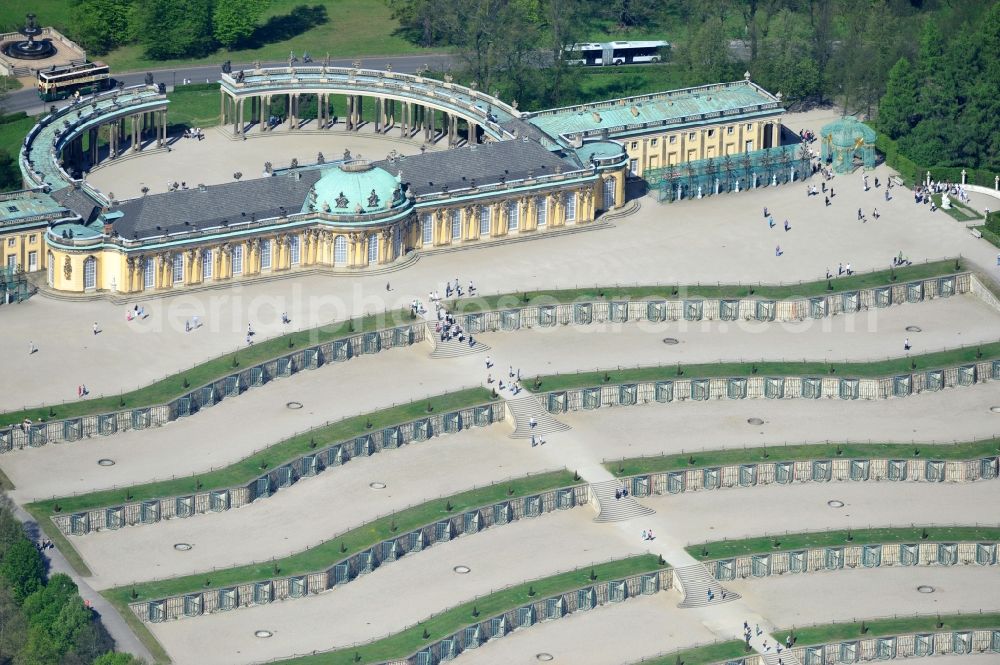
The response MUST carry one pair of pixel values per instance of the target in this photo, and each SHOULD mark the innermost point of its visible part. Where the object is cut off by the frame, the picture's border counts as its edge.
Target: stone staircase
(524, 409)
(695, 581)
(611, 509)
(783, 658)
(455, 349)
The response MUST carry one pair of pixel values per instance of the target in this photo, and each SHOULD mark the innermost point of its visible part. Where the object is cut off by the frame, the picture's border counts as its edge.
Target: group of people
(749, 635)
(173, 185)
(194, 133)
(449, 329)
(136, 312)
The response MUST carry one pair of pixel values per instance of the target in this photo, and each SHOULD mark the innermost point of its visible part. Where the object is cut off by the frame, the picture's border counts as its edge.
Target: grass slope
(669, 291)
(787, 453)
(724, 549)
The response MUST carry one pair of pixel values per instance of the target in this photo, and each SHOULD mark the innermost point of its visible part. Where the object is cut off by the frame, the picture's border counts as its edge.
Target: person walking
(489, 362)
(96, 329)
(777, 250)
(32, 348)
(906, 344)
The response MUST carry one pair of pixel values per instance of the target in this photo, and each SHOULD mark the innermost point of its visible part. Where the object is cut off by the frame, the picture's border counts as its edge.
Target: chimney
(109, 227)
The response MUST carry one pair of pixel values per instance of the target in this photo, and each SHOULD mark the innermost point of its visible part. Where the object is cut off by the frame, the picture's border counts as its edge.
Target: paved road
(27, 99)
(125, 639)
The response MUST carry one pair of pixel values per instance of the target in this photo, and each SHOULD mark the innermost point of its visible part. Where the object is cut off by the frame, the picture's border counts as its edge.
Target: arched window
(89, 273)
(340, 251)
(609, 194)
(372, 249)
(513, 215)
(397, 242)
(427, 229)
(52, 268)
(148, 273)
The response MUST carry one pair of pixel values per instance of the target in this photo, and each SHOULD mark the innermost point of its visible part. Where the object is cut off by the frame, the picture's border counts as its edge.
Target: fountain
(30, 49)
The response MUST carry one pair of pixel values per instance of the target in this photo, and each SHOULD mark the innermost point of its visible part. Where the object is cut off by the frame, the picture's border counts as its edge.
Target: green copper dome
(355, 188)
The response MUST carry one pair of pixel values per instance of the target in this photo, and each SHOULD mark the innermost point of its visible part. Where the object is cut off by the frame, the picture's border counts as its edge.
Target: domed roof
(848, 132)
(355, 188)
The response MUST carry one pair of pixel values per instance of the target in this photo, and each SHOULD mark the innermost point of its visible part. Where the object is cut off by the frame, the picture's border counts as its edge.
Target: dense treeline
(942, 104)
(43, 621)
(166, 28)
(933, 56)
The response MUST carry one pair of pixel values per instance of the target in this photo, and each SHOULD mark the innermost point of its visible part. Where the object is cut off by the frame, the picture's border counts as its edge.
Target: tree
(22, 569)
(171, 29)
(234, 20)
(898, 113)
(102, 25)
(112, 658)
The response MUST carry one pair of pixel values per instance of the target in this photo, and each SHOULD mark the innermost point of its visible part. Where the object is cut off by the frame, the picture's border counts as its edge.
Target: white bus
(616, 53)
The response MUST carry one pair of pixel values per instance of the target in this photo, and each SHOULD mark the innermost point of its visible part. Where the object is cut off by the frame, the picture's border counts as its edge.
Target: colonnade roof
(490, 112)
(39, 155)
(719, 102)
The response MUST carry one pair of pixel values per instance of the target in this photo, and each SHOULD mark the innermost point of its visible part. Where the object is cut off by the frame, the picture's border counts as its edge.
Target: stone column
(93, 147)
(358, 109)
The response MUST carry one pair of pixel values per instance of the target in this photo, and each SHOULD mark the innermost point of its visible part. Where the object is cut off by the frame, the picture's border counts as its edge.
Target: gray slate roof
(263, 197)
(77, 201)
(485, 164)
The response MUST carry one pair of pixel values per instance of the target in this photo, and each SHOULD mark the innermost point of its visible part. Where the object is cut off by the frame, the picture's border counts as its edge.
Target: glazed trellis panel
(851, 556)
(816, 471)
(281, 588)
(203, 397)
(216, 500)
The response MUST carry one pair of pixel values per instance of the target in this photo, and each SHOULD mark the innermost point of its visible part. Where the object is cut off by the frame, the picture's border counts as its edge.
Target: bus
(616, 53)
(60, 82)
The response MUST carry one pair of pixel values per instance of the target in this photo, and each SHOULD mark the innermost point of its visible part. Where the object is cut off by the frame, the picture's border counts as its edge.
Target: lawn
(271, 457)
(342, 28)
(888, 367)
(450, 621)
(194, 105)
(349, 543)
(724, 549)
(673, 291)
(12, 133)
(958, 211)
(786, 453)
(55, 13)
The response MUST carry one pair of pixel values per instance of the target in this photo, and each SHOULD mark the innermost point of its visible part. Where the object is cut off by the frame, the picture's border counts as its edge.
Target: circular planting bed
(377, 486)
(462, 570)
(671, 340)
(755, 421)
(106, 462)
(835, 503)
(183, 547)
(925, 588)
(294, 405)
(545, 657)
(913, 329)
(262, 634)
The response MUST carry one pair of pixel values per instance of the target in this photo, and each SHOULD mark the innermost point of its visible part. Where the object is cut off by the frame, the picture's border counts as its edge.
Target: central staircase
(455, 349)
(695, 582)
(524, 409)
(616, 510)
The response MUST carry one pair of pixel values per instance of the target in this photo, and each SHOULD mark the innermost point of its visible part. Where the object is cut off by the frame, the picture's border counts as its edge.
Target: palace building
(505, 174)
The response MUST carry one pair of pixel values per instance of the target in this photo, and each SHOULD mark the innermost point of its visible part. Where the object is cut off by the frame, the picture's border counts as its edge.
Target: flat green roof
(20, 207)
(663, 109)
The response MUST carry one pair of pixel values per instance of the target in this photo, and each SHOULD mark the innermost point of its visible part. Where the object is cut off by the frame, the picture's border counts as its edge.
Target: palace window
(265, 254)
(148, 274)
(238, 260)
(729, 130)
(372, 249)
(52, 269)
(711, 133)
(456, 224)
(32, 261)
(206, 264)
(541, 207)
(484, 222)
(570, 206)
(513, 215)
(294, 251)
(90, 273)
(673, 138)
(178, 268)
(340, 251)
(635, 145)
(33, 238)
(749, 126)
(653, 142)
(690, 136)
(427, 228)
